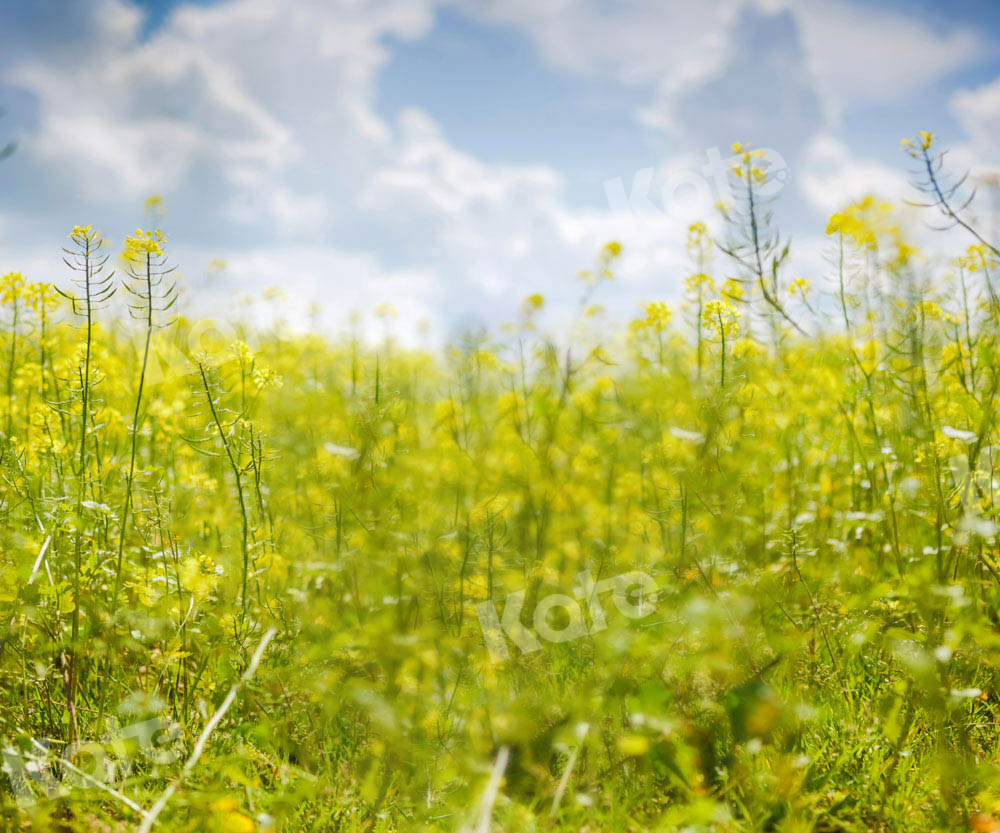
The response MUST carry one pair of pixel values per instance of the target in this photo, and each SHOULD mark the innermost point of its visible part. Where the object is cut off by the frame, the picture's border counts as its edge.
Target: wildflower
(633, 746)
(244, 355)
(265, 377)
(658, 315)
(746, 349)
(533, 302)
(446, 411)
(733, 289)
(924, 141)
(720, 317)
(198, 575)
(82, 232)
(698, 241)
(698, 280)
(608, 255)
(226, 812)
(863, 222)
(800, 288)
(928, 309)
(612, 249)
(11, 287)
(153, 206)
(976, 258)
(42, 296)
(143, 244)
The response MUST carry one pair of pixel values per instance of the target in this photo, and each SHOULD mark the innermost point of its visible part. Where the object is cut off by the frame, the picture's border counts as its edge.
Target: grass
(243, 581)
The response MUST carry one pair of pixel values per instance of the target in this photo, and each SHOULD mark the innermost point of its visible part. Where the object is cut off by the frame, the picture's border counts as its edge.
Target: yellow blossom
(720, 317)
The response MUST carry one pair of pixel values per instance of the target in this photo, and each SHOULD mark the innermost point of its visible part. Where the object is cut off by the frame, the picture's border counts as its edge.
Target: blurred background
(450, 158)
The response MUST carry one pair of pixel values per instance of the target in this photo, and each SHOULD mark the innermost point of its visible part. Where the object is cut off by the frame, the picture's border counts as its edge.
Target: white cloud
(861, 53)
(978, 111)
(854, 52)
(668, 46)
(831, 177)
(256, 119)
(427, 173)
(257, 122)
(245, 95)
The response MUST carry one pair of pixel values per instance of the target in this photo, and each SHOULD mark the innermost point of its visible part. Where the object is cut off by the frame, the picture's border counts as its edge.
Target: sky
(451, 157)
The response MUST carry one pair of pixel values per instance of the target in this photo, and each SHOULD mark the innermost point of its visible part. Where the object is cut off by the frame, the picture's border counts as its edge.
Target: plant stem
(135, 436)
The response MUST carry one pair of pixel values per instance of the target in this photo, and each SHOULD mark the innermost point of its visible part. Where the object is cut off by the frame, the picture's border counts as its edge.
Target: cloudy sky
(451, 157)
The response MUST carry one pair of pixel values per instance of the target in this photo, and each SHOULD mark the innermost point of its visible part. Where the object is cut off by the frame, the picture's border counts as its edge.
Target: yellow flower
(927, 309)
(242, 352)
(42, 296)
(976, 258)
(699, 243)
(533, 302)
(633, 746)
(720, 317)
(198, 575)
(733, 289)
(746, 349)
(264, 377)
(658, 315)
(924, 141)
(238, 823)
(229, 818)
(800, 287)
(698, 280)
(863, 222)
(226, 804)
(142, 244)
(11, 286)
(153, 206)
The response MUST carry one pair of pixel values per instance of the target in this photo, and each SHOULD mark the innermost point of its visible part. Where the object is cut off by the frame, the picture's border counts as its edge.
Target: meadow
(743, 553)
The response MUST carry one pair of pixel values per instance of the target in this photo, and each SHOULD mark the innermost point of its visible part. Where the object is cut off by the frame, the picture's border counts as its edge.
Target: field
(731, 568)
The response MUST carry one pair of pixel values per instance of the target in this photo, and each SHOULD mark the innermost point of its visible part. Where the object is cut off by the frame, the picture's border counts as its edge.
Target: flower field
(730, 567)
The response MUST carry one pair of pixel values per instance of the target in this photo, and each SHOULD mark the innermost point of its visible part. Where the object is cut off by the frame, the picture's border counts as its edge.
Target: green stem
(239, 488)
(135, 437)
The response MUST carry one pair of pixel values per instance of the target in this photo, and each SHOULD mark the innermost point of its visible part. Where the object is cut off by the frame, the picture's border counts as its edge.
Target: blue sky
(452, 157)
